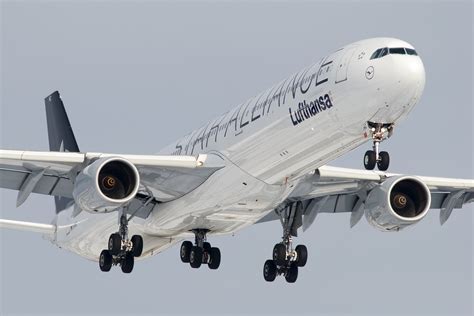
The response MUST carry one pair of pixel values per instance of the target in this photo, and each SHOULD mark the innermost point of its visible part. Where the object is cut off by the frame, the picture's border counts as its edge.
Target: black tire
(301, 255)
(115, 244)
(195, 257)
(269, 270)
(292, 273)
(137, 245)
(369, 160)
(384, 161)
(279, 254)
(127, 263)
(105, 261)
(214, 258)
(185, 251)
(206, 246)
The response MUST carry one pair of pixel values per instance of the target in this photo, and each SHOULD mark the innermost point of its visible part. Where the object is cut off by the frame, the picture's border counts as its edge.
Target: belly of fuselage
(228, 201)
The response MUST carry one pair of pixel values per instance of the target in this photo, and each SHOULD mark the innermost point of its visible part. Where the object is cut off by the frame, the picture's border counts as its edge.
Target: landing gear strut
(285, 259)
(121, 250)
(373, 157)
(201, 252)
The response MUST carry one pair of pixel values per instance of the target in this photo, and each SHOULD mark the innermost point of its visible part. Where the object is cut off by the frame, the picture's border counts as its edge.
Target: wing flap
(47, 185)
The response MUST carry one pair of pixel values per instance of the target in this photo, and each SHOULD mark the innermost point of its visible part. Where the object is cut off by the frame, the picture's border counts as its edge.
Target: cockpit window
(379, 53)
(393, 50)
(397, 50)
(411, 51)
(383, 52)
(376, 54)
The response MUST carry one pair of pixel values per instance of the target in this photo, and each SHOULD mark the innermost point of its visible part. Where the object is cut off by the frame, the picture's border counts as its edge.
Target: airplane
(264, 160)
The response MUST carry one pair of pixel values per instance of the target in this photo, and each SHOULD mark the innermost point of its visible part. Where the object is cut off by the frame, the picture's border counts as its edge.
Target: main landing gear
(373, 157)
(201, 252)
(121, 250)
(285, 259)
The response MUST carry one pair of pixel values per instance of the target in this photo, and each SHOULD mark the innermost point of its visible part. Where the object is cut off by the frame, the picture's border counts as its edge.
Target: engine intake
(117, 179)
(397, 203)
(106, 184)
(409, 198)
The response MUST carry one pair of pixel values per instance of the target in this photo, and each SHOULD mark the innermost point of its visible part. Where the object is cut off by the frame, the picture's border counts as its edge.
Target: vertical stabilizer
(60, 134)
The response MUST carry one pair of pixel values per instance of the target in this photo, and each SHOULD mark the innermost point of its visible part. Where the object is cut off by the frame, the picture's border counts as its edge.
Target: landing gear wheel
(269, 270)
(115, 244)
(206, 246)
(185, 251)
(301, 255)
(287, 259)
(384, 161)
(195, 257)
(369, 160)
(279, 254)
(215, 258)
(292, 273)
(379, 132)
(127, 263)
(105, 261)
(137, 245)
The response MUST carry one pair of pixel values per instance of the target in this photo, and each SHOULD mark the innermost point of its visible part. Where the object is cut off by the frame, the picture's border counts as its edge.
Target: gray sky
(160, 69)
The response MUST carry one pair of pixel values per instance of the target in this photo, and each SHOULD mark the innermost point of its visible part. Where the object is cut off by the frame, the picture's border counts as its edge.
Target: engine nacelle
(106, 184)
(397, 203)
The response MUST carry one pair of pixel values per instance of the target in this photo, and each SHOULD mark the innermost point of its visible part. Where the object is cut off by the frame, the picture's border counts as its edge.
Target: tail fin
(61, 136)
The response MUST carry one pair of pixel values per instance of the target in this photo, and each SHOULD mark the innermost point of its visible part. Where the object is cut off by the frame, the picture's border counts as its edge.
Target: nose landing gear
(373, 157)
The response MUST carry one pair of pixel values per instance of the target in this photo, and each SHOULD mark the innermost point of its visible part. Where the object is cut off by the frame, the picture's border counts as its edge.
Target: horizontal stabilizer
(28, 226)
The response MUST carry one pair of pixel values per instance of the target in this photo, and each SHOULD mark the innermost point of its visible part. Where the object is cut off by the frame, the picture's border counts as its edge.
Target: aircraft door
(342, 67)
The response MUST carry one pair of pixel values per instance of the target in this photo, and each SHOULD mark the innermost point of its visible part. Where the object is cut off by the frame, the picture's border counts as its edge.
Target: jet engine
(105, 185)
(398, 202)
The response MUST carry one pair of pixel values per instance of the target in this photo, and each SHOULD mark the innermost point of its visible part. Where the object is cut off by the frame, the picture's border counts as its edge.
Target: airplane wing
(53, 173)
(336, 190)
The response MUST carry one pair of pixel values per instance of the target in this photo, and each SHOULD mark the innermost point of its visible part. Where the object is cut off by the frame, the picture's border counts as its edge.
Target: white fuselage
(269, 142)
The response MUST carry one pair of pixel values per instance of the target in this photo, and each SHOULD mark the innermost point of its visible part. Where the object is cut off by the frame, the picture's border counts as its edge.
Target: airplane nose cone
(409, 82)
(399, 81)
(413, 73)
(414, 77)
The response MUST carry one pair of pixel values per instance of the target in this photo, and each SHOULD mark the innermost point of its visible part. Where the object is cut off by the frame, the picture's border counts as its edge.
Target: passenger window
(411, 51)
(375, 54)
(397, 50)
(383, 52)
